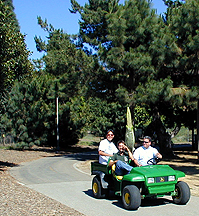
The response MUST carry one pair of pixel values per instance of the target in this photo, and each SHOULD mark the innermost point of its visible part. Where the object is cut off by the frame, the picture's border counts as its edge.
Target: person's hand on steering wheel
(153, 161)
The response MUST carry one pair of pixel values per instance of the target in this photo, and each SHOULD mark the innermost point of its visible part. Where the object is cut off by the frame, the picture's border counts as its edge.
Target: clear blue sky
(56, 12)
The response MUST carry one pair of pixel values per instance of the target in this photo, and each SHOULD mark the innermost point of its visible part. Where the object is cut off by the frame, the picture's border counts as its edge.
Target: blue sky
(56, 12)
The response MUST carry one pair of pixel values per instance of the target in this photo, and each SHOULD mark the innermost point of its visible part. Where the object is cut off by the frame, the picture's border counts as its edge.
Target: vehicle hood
(141, 173)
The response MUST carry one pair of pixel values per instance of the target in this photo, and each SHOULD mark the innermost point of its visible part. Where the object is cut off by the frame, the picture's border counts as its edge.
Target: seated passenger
(122, 159)
(107, 148)
(146, 152)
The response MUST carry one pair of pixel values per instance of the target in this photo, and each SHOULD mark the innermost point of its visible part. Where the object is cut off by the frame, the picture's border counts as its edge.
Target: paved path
(59, 178)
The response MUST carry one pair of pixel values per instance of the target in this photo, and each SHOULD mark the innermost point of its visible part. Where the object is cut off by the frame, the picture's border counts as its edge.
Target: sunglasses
(145, 142)
(110, 134)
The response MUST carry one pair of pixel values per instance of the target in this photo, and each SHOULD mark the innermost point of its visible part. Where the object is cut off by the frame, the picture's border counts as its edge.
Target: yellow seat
(113, 172)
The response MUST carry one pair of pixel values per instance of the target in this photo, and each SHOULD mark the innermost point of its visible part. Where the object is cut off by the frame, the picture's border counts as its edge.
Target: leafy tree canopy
(139, 59)
(145, 56)
(14, 61)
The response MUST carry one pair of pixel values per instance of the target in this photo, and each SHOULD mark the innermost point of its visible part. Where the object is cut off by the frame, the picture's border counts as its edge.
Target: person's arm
(131, 157)
(159, 155)
(111, 162)
(136, 163)
(135, 155)
(104, 154)
(129, 153)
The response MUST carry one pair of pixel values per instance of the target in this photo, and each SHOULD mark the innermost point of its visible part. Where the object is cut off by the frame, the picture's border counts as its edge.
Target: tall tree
(141, 57)
(78, 76)
(9, 3)
(30, 114)
(14, 61)
(28, 111)
(74, 71)
(182, 19)
(63, 59)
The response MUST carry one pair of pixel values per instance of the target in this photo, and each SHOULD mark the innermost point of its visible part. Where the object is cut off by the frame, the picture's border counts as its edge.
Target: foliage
(14, 61)
(79, 77)
(141, 117)
(30, 114)
(9, 3)
(97, 115)
(185, 73)
(138, 60)
(72, 67)
(26, 112)
(142, 56)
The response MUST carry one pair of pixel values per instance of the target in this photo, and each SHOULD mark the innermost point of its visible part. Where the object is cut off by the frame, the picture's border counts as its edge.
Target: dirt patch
(186, 161)
(17, 199)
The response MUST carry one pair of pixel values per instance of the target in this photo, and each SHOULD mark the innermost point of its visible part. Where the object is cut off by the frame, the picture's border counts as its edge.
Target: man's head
(121, 145)
(110, 135)
(147, 141)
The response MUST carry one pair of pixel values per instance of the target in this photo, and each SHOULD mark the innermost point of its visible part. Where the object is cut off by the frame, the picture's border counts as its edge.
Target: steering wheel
(153, 161)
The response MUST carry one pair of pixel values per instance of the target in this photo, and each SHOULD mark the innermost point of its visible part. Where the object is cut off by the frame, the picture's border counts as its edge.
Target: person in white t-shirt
(146, 152)
(107, 148)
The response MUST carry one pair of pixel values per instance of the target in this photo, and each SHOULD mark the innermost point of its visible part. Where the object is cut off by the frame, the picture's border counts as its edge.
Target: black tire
(97, 188)
(131, 197)
(183, 193)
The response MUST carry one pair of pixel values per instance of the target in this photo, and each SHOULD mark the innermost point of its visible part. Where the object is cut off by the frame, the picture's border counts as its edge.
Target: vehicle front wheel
(183, 193)
(131, 197)
(97, 188)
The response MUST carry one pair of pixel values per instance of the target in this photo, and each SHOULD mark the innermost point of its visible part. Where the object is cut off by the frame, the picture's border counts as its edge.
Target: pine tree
(63, 59)
(9, 3)
(141, 55)
(30, 114)
(14, 61)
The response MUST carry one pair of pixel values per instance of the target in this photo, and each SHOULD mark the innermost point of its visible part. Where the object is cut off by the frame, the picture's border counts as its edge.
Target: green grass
(89, 140)
(184, 136)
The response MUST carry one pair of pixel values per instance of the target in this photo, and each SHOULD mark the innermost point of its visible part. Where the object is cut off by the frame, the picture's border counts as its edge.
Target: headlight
(171, 178)
(151, 180)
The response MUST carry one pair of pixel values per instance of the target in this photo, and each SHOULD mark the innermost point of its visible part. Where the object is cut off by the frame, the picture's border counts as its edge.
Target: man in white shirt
(146, 152)
(107, 148)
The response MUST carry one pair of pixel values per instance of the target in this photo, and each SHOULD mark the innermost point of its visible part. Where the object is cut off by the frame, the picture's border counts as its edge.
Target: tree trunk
(164, 138)
(175, 131)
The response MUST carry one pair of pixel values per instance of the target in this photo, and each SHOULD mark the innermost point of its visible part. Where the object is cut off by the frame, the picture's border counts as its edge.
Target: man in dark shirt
(122, 159)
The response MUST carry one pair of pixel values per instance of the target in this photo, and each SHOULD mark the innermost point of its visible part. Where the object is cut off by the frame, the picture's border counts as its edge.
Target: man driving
(146, 152)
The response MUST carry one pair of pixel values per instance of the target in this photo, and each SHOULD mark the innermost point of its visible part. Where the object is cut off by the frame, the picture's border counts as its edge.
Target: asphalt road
(60, 179)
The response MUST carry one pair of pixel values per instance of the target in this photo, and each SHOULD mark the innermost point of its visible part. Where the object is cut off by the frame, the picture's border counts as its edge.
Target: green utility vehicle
(150, 181)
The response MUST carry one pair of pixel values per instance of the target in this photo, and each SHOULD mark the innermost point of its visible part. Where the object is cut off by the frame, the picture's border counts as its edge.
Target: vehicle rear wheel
(183, 193)
(97, 188)
(131, 197)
